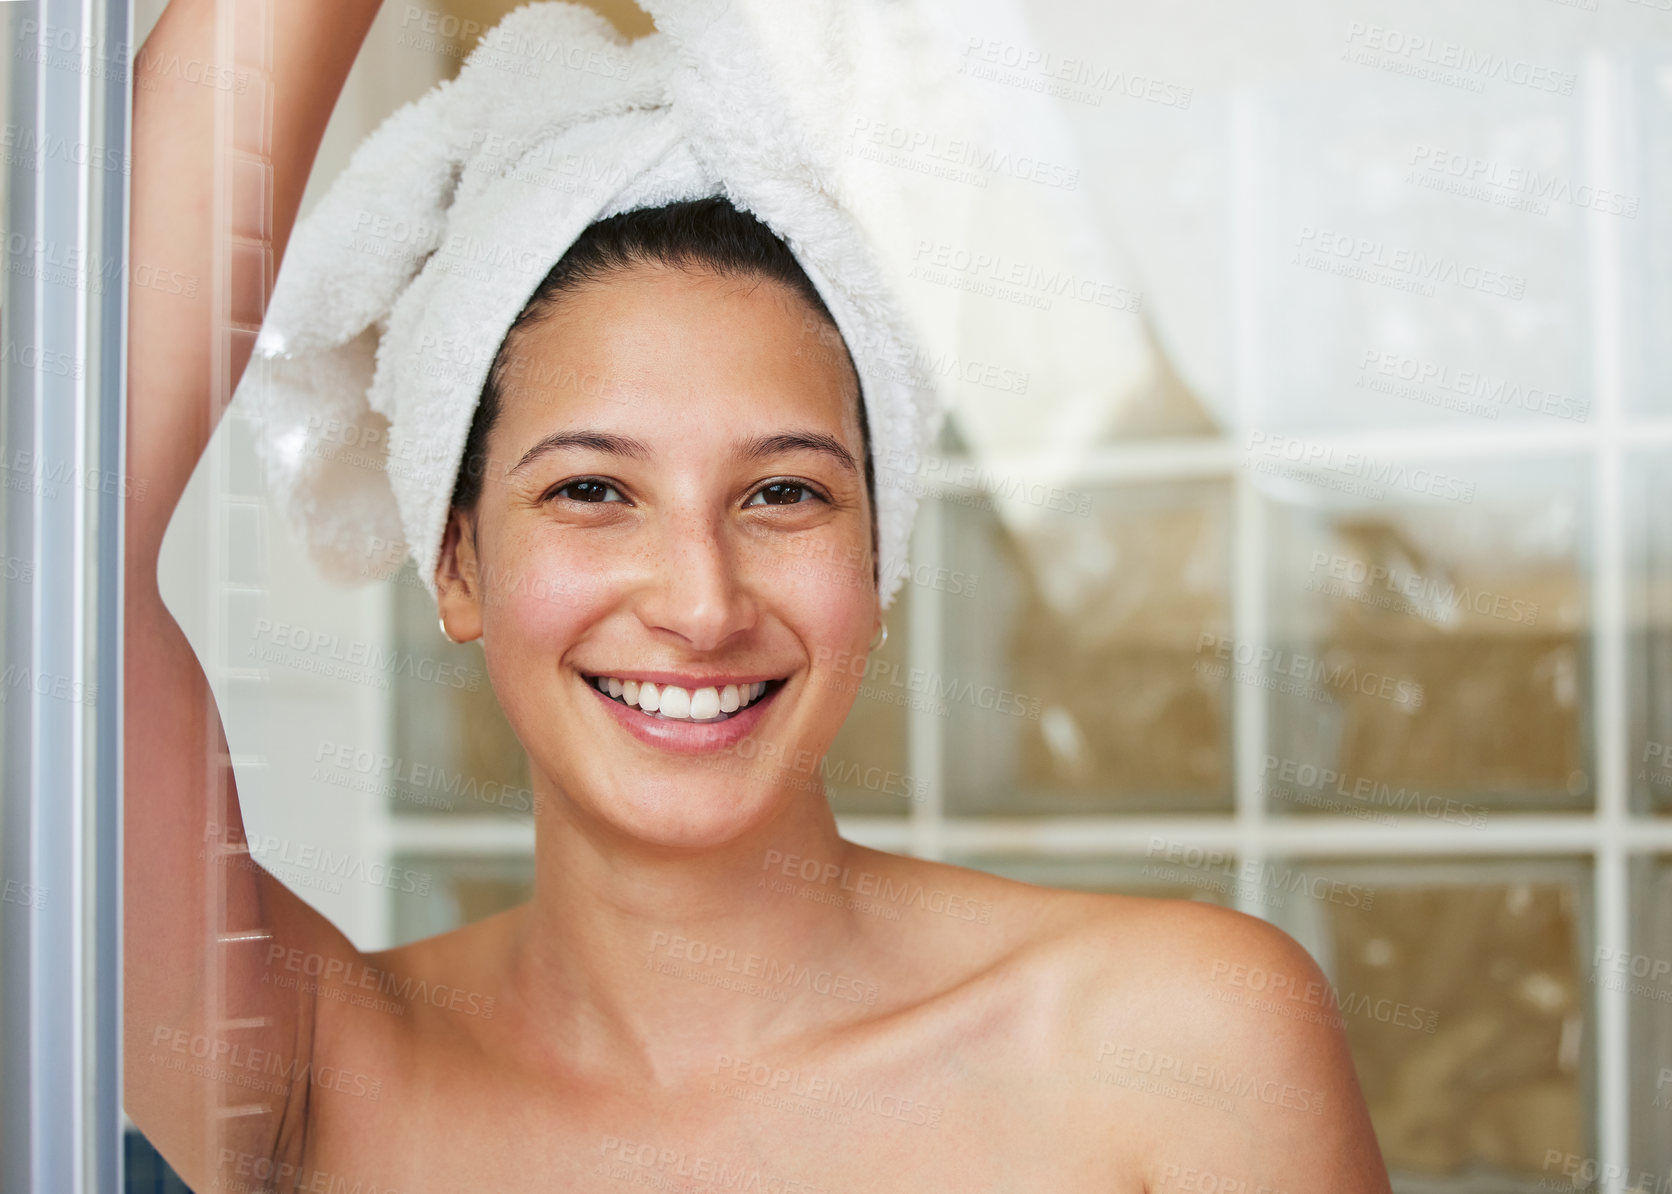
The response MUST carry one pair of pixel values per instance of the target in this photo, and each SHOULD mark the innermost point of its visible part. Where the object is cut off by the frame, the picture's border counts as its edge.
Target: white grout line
(1504, 834)
(1249, 707)
(459, 836)
(1115, 836)
(925, 745)
(374, 823)
(1601, 115)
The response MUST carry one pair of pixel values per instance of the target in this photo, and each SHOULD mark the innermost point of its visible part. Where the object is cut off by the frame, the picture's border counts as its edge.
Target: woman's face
(674, 491)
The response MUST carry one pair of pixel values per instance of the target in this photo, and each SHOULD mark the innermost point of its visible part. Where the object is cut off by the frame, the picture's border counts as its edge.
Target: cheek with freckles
(821, 590)
(536, 603)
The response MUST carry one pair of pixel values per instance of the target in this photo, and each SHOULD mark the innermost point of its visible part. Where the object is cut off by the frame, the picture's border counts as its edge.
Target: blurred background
(1316, 405)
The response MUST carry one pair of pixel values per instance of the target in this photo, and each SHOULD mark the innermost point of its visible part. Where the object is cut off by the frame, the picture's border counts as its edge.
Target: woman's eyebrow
(758, 447)
(607, 442)
(761, 447)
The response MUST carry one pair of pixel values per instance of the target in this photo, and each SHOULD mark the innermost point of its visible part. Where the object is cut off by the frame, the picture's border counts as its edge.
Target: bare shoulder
(1217, 1030)
(1102, 941)
(1195, 1046)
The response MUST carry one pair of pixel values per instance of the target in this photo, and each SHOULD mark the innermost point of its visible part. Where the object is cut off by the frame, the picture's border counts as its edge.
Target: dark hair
(694, 234)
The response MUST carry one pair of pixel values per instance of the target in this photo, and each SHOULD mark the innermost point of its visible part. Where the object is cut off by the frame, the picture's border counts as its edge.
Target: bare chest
(768, 1126)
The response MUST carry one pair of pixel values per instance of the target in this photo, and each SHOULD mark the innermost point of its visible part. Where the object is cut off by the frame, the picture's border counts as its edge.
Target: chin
(695, 806)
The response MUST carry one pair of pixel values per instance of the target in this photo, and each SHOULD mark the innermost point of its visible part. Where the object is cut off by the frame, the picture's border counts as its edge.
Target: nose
(696, 589)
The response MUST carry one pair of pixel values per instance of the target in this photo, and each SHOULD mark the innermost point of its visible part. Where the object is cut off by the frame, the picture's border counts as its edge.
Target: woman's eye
(782, 493)
(587, 489)
(594, 491)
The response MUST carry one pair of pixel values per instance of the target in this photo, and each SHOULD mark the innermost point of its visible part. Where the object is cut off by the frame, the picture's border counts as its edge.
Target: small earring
(442, 622)
(878, 640)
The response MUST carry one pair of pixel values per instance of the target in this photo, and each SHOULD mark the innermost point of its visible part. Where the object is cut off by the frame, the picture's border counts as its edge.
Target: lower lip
(686, 737)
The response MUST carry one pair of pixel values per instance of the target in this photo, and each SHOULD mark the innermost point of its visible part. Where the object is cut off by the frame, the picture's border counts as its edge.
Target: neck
(664, 959)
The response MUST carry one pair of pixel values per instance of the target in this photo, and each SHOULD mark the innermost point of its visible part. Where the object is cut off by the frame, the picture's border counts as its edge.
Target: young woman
(710, 988)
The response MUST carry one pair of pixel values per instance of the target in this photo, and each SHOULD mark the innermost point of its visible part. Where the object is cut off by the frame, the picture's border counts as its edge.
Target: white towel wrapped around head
(399, 287)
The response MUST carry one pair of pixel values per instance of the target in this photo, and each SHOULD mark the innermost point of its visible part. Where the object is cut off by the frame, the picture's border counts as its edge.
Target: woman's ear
(457, 579)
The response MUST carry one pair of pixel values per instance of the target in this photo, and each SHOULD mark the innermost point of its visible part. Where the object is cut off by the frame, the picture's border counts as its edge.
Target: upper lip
(683, 680)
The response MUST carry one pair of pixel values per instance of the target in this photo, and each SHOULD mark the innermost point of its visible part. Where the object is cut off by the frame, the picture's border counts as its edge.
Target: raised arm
(180, 800)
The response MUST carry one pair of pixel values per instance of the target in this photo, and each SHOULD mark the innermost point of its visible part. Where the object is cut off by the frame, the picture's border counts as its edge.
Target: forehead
(682, 356)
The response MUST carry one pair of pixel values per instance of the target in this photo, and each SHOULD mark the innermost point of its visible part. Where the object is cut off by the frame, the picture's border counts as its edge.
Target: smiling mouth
(672, 702)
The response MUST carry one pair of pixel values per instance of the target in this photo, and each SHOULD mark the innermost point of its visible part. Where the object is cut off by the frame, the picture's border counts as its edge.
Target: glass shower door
(63, 319)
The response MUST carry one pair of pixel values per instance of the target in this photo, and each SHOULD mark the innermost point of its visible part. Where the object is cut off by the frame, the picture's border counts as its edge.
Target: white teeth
(673, 702)
(704, 703)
